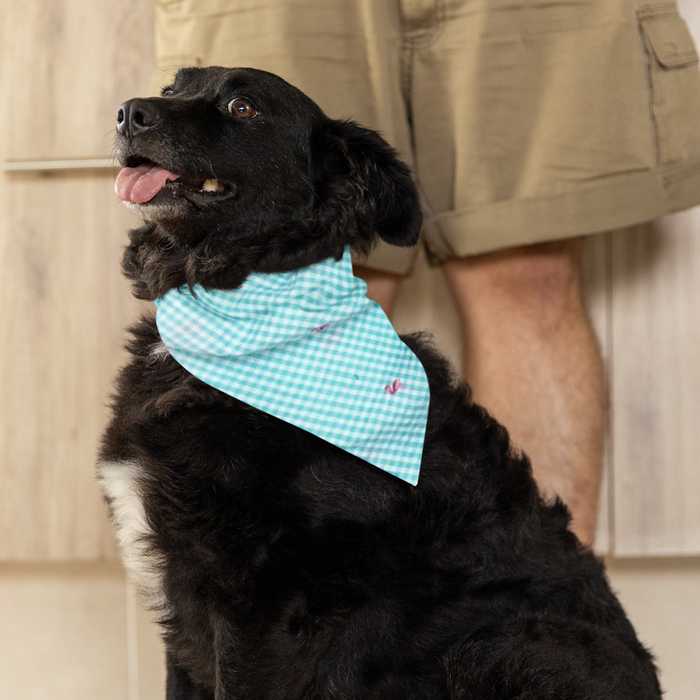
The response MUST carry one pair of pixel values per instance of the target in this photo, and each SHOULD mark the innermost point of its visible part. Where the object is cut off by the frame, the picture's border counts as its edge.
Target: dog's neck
(156, 263)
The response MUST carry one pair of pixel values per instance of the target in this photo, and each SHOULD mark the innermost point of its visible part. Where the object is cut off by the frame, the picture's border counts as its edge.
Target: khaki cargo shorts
(523, 121)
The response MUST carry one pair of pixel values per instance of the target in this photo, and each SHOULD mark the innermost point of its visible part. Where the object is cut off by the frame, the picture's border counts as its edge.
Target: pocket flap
(669, 37)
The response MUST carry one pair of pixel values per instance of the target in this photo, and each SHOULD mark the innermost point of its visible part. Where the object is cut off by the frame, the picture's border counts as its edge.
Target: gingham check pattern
(310, 348)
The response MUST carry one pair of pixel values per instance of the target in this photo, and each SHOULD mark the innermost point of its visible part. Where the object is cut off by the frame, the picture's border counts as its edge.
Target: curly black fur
(289, 568)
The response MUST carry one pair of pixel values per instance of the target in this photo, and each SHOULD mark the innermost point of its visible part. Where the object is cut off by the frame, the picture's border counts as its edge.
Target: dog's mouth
(142, 180)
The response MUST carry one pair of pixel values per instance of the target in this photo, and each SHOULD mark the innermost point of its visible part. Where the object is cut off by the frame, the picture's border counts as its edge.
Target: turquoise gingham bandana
(310, 348)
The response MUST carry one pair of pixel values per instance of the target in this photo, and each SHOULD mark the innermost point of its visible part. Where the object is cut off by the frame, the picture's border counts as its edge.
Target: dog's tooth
(212, 186)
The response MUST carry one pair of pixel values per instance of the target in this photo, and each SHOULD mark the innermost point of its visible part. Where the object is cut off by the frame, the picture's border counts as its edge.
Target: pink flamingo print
(394, 387)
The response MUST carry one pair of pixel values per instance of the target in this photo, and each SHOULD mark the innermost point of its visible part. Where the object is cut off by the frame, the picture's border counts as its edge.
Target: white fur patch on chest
(120, 483)
(158, 352)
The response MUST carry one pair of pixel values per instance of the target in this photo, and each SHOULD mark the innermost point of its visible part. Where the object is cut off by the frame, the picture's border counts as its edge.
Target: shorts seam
(407, 85)
(677, 173)
(656, 126)
(421, 42)
(665, 9)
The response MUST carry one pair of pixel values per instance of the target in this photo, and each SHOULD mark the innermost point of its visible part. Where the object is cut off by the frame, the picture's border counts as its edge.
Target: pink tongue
(142, 183)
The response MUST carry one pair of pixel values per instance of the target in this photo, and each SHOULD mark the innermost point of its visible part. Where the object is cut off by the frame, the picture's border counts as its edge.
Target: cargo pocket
(675, 83)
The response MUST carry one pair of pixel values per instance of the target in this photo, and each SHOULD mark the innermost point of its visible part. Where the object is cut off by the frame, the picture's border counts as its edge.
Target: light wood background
(70, 626)
(65, 68)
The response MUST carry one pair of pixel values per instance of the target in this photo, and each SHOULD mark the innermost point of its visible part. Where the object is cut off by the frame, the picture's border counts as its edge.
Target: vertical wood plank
(656, 385)
(596, 294)
(146, 651)
(65, 66)
(690, 11)
(63, 632)
(655, 375)
(65, 307)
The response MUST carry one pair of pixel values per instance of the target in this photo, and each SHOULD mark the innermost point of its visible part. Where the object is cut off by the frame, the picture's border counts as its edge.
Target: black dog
(280, 566)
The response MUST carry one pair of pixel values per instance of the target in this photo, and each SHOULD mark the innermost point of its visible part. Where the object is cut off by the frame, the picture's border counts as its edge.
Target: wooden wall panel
(595, 284)
(63, 632)
(656, 386)
(67, 65)
(64, 69)
(690, 10)
(64, 312)
(653, 361)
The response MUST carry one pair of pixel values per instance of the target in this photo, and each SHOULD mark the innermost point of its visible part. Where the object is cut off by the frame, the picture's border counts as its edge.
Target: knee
(540, 281)
(546, 275)
(382, 287)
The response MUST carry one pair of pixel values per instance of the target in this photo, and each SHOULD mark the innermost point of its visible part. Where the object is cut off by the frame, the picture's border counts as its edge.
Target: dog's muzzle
(136, 116)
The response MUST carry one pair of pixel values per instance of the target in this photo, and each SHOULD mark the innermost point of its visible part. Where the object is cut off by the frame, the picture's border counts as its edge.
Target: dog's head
(234, 171)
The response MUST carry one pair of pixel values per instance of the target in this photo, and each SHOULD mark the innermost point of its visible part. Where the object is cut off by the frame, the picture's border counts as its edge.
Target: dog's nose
(136, 116)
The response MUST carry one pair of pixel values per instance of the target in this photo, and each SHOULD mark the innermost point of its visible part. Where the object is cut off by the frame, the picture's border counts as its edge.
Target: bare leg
(382, 287)
(532, 359)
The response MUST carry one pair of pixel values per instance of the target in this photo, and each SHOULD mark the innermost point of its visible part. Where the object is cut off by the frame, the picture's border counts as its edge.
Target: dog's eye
(166, 91)
(242, 108)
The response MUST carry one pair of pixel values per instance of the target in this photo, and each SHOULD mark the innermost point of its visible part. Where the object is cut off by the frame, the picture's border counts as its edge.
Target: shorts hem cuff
(609, 204)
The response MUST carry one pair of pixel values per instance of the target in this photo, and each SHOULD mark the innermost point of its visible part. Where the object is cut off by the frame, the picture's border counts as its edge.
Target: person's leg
(382, 287)
(533, 361)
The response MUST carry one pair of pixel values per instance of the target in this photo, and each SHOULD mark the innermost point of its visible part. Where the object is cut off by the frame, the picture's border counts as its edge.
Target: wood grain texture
(646, 320)
(425, 304)
(63, 632)
(656, 386)
(66, 67)
(64, 313)
(595, 286)
(146, 651)
(690, 11)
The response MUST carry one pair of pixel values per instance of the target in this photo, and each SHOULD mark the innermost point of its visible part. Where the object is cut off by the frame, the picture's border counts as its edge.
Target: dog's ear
(362, 185)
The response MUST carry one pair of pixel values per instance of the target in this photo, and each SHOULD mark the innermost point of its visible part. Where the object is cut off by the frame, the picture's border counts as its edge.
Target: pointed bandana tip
(309, 348)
